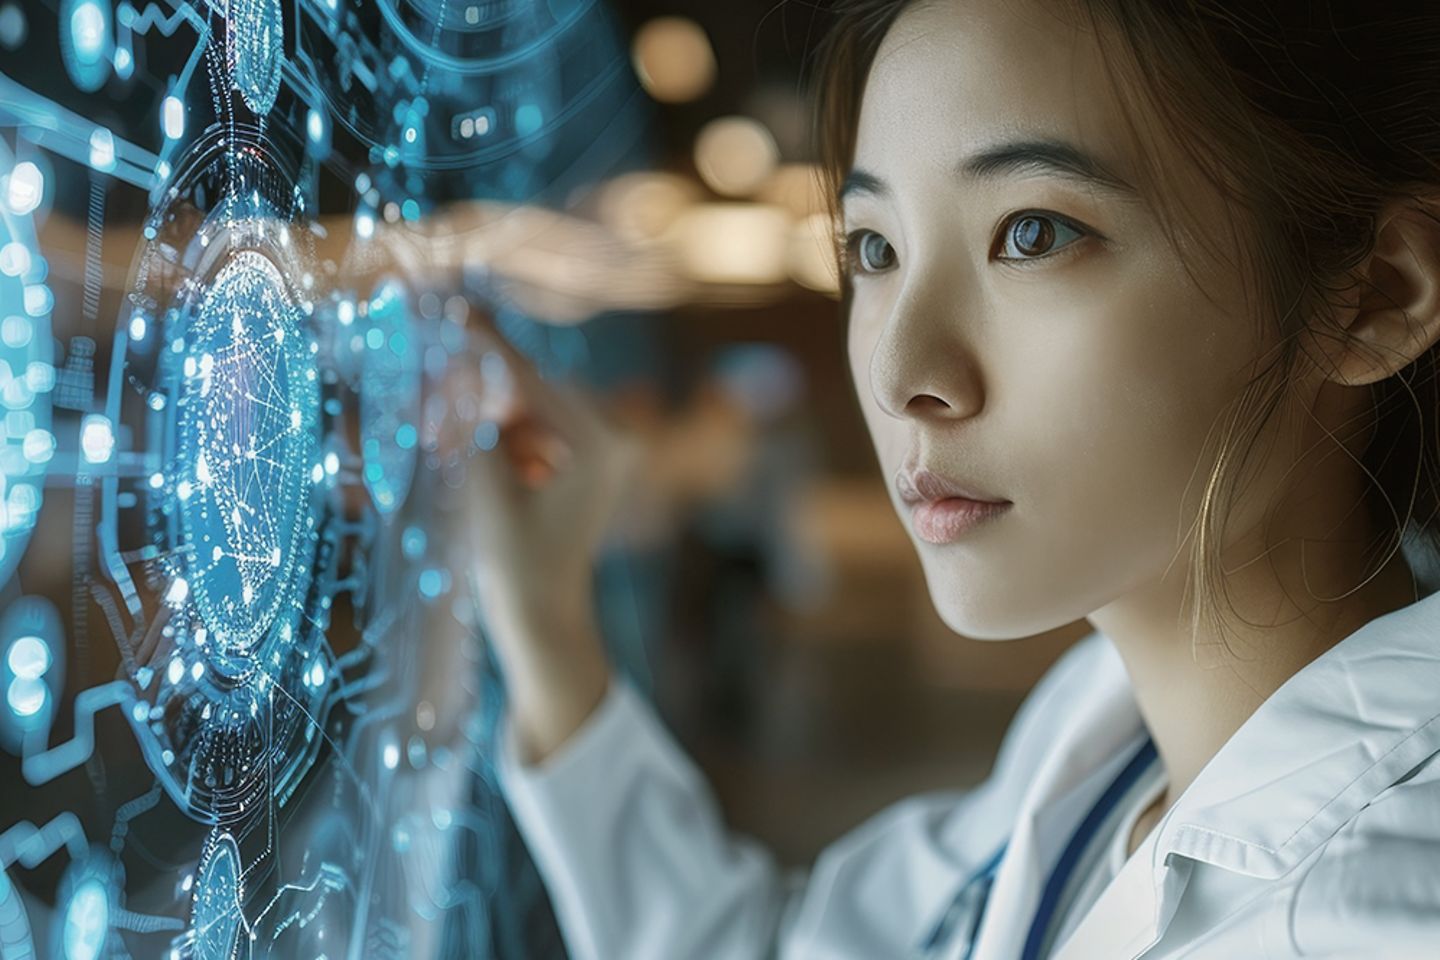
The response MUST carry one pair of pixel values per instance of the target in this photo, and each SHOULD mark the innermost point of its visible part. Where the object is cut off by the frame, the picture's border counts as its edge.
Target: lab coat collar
(1343, 728)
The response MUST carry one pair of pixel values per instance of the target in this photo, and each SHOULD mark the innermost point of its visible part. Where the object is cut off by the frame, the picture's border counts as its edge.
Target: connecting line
(39, 768)
(153, 18)
(143, 922)
(331, 877)
(29, 846)
(68, 134)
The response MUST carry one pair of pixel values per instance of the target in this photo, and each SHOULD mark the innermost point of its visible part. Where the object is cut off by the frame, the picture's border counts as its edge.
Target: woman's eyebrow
(1042, 157)
(1036, 157)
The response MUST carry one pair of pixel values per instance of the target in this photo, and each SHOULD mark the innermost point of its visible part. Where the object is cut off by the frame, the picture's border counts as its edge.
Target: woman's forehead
(954, 77)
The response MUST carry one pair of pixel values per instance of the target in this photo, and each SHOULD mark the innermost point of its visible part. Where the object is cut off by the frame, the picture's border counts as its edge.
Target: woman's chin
(991, 614)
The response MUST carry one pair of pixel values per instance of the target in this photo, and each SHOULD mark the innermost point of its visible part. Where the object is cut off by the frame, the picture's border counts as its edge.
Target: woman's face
(1020, 326)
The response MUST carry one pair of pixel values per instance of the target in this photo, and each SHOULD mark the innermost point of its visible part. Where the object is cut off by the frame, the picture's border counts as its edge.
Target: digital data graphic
(246, 706)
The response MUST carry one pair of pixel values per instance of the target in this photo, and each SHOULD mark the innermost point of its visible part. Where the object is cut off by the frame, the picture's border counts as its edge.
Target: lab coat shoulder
(873, 891)
(1373, 889)
(639, 864)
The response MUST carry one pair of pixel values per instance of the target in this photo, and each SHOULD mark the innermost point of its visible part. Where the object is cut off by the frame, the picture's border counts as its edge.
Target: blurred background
(635, 205)
(779, 614)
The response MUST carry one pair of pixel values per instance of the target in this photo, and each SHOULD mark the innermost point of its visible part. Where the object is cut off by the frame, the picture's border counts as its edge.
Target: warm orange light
(735, 155)
(673, 59)
(742, 243)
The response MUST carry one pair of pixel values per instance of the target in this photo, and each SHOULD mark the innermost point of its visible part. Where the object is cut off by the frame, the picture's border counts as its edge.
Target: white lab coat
(1314, 832)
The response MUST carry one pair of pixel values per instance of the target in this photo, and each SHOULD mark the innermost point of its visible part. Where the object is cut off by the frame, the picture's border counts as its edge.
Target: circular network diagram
(246, 442)
(227, 587)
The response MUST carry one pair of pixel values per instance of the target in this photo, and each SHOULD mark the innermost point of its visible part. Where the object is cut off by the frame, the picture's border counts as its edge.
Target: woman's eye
(1030, 236)
(870, 251)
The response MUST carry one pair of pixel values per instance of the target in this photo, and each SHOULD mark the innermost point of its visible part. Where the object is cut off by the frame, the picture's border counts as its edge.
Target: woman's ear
(1393, 311)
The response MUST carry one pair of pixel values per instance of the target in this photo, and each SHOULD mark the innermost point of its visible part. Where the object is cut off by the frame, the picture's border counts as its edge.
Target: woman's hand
(537, 498)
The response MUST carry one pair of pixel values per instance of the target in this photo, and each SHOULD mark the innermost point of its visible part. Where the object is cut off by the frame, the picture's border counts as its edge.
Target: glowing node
(172, 117)
(248, 431)
(389, 391)
(24, 189)
(216, 916)
(102, 149)
(86, 40)
(87, 921)
(13, 27)
(97, 439)
(253, 41)
(26, 350)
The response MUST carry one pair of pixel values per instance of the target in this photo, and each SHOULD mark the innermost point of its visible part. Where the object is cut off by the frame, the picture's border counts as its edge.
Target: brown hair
(1308, 118)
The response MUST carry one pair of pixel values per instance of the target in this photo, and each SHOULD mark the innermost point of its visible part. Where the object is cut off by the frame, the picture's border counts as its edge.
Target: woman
(1143, 302)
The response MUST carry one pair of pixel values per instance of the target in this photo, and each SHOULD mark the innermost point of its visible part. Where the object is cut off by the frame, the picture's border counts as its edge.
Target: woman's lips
(945, 521)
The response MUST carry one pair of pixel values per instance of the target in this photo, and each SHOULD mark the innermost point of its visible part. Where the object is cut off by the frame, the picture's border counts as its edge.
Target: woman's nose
(922, 367)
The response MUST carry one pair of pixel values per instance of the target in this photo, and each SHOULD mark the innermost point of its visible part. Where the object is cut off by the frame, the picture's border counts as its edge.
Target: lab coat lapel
(1104, 720)
(1343, 728)
(1339, 731)
(1132, 912)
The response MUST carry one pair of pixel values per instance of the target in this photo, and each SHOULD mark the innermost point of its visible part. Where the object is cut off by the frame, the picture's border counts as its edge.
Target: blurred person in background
(1142, 304)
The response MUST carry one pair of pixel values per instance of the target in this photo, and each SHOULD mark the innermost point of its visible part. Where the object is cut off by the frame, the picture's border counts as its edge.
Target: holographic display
(226, 581)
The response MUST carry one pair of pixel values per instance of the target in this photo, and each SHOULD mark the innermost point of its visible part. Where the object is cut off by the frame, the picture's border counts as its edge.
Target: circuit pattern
(226, 587)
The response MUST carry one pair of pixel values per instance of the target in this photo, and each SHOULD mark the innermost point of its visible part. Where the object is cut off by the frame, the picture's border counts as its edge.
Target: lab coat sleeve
(633, 849)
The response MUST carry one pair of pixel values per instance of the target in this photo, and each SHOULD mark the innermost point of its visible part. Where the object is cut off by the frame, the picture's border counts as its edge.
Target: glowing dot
(123, 62)
(137, 327)
(179, 590)
(332, 463)
(315, 125)
(405, 436)
(102, 150)
(364, 225)
(295, 418)
(97, 439)
(26, 697)
(87, 29)
(157, 480)
(467, 127)
(197, 670)
(87, 921)
(25, 188)
(202, 468)
(16, 331)
(172, 117)
(15, 259)
(390, 756)
(412, 542)
(175, 671)
(183, 489)
(39, 445)
(317, 674)
(12, 26)
(431, 583)
(317, 474)
(345, 313)
(39, 376)
(482, 125)
(28, 658)
(527, 119)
